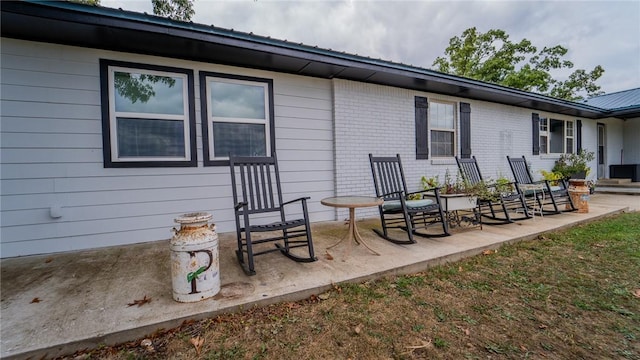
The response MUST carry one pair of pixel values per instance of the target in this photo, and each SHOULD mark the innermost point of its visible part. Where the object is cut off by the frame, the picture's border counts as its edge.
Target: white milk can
(194, 258)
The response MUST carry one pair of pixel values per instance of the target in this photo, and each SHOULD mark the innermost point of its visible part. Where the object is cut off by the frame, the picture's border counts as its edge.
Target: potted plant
(574, 166)
(552, 177)
(455, 194)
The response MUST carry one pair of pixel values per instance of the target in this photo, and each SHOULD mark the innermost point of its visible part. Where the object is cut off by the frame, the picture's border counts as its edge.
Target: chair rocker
(258, 198)
(398, 210)
(498, 207)
(550, 196)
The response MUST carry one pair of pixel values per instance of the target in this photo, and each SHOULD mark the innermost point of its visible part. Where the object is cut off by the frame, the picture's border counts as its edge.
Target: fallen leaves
(487, 252)
(328, 256)
(197, 343)
(637, 293)
(35, 300)
(464, 330)
(425, 345)
(140, 302)
(358, 329)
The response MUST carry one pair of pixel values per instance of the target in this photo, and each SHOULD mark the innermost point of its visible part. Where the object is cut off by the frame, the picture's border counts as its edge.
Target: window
(442, 129)
(238, 117)
(556, 136)
(148, 117)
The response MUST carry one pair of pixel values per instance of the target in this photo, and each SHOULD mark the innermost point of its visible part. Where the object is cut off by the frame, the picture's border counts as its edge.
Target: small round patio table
(352, 202)
(536, 189)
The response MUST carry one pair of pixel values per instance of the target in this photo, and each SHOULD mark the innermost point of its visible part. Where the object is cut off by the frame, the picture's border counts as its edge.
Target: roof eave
(72, 24)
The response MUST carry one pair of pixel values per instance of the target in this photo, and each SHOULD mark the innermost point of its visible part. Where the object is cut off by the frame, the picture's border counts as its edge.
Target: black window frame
(107, 150)
(204, 110)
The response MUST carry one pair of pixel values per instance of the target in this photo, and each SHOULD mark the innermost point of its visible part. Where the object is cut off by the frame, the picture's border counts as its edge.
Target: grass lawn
(566, 295)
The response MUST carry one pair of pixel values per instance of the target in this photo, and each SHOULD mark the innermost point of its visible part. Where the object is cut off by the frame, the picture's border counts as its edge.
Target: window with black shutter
(422, 127)
(465, 130)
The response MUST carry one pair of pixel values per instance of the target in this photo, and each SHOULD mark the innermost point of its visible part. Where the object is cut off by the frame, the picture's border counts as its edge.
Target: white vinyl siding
(51, 155)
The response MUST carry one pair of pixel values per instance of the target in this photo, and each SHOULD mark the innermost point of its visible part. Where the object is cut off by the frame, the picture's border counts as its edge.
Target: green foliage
(138, 87)
(486, 190)
(569, 164)
(493, 58)
(551, 176)
(181, 10)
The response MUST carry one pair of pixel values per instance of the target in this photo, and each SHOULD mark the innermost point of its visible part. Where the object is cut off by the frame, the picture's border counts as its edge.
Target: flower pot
(453, 202)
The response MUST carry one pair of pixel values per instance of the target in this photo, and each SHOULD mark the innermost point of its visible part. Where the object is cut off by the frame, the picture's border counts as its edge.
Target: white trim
(546, 133)
(114, 115)
(454, 130)
(211, 119)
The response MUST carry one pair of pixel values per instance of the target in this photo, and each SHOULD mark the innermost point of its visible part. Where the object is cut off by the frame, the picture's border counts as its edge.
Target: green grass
(568, 294)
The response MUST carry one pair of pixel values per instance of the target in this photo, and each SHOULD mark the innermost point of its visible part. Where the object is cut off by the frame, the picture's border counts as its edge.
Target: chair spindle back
(388, 176)
(259, 182)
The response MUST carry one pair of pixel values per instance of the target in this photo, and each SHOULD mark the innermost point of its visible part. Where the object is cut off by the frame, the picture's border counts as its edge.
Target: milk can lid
(193, 218)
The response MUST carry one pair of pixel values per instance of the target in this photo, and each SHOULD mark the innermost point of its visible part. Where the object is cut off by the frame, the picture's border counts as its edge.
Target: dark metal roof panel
(617, 100)
(98, 27)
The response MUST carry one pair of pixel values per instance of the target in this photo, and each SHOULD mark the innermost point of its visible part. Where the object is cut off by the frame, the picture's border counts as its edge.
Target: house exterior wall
(51, 155)
(614, 141)
(631, 143)
(381, 120)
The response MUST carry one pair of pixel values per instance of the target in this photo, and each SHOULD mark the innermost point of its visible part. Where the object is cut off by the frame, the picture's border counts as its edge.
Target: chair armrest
(240, 205)
(303, 199)
(433, 189)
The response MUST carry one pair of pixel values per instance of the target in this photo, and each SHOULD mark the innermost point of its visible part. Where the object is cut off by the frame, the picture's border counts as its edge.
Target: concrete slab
(57, 304)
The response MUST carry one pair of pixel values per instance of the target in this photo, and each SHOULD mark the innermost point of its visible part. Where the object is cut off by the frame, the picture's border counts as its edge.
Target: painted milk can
(579, 193)
(194, 258)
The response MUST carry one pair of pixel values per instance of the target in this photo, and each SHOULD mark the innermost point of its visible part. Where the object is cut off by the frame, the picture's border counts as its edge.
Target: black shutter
(465, 130)
(422, 128)
(535, 123)
(579, 136)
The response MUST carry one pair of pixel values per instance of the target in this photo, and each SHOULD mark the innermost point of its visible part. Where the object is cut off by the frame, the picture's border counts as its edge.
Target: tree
(174, 9)
(493, 58)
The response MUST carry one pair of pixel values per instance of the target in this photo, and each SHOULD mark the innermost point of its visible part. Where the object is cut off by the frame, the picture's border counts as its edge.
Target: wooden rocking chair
(554, 196)
(256, 195)
(399, 210)
(505, 200)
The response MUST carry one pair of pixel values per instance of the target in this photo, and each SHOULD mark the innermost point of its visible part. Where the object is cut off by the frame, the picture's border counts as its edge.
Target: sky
(605, 33)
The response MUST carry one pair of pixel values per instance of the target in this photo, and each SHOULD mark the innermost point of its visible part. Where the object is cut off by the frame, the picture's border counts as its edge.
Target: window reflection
(239, 139)
(237, 100)
(151, 94)
(150, 137)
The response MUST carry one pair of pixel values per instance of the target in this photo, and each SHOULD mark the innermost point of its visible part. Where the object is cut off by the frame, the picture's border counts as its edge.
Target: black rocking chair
(554, 196)
(256, 193)
(507, 198)
(398, 210)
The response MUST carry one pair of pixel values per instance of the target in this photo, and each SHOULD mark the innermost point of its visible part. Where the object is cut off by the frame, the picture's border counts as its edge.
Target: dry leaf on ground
(35, 300)
(140, 302)
(197, 343)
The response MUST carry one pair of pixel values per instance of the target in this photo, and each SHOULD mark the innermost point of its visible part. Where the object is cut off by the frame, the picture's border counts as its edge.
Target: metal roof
(618, 101)
(115, 29)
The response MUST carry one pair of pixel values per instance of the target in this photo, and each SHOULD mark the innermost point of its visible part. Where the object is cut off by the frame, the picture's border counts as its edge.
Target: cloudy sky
(603, 33)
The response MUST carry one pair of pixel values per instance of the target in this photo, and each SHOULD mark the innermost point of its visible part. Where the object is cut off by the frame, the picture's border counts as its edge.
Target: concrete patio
(56, 304)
